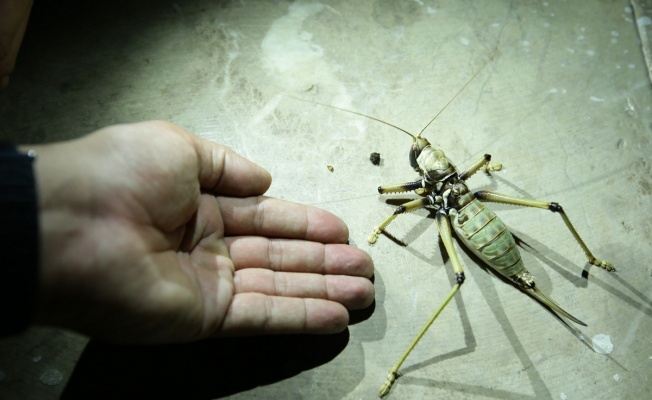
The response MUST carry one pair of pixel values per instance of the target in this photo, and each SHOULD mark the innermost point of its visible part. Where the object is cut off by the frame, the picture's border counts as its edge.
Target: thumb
(223, 171)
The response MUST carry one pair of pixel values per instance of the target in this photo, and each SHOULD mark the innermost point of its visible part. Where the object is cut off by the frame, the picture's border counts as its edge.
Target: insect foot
(389, 381)
(374, 236)
(603, 264)
(493, 167)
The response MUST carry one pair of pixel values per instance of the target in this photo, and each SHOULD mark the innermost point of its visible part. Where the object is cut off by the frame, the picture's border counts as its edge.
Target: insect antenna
(490, 59)
(414, 138)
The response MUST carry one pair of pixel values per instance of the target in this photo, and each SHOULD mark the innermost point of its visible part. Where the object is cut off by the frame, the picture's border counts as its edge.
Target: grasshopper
(442, 187)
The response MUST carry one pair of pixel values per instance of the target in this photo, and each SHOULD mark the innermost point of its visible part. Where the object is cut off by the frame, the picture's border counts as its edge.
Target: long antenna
(414, 138)
(460, 91)
(354, 112)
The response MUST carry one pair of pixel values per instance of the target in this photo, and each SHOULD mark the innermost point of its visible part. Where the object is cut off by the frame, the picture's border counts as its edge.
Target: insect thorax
(431, 160)
(442, 178)
(451, 194)
(435, 166)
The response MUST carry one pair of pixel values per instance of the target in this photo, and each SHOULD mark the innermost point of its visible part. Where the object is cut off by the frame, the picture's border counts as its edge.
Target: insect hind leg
(444, 227)
(490, 196)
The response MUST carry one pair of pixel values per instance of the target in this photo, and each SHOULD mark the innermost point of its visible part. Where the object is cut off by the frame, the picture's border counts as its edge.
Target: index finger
(275, 218)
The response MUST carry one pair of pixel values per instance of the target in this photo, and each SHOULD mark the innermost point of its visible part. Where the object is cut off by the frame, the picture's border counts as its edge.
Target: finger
(223, 171)
(285, 255)
(354, 293)
(256, 313)
(266, 216)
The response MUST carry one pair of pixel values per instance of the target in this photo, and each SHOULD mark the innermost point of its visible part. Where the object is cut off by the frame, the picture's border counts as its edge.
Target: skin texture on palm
(151, 234)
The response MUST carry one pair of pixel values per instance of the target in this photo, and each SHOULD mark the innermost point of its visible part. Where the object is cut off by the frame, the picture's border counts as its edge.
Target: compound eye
(414, 154)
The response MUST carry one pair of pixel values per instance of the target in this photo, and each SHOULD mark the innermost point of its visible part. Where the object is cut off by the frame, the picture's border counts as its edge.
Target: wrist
(58, 184)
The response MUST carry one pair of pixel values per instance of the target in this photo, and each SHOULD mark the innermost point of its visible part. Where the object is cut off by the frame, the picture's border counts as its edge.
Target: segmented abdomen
(488, 237)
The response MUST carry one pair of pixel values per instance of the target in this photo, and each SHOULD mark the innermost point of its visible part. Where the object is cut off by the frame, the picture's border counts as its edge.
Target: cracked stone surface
(561, 98)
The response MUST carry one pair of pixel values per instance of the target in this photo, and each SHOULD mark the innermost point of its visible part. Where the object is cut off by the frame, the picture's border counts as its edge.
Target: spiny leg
(444, 227)
(481, 164)
(403, 187)
(407, 207)
(487, 195)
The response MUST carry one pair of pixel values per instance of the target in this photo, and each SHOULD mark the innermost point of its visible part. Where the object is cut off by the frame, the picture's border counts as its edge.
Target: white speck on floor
(644, 21)
(602, 344)
(51, 377)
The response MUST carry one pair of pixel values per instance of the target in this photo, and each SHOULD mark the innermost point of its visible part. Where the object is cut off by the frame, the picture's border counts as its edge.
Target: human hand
(13, 21)
(151, 234)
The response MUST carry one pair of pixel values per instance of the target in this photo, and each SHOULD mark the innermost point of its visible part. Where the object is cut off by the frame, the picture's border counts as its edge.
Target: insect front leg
(481, 164)
(487, 195)
(407, 207)
(403, 187)
(444, 227)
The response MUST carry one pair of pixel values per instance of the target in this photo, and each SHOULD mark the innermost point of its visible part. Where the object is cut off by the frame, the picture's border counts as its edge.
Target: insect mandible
(442, 187)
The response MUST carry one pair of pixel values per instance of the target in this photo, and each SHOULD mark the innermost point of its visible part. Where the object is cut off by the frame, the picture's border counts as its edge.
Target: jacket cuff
(19, 240)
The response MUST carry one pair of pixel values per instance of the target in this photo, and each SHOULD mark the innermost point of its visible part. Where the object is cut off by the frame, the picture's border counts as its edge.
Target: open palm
(151, 234)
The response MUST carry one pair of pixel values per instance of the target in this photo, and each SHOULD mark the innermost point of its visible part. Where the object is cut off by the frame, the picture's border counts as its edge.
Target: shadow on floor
(202, 370)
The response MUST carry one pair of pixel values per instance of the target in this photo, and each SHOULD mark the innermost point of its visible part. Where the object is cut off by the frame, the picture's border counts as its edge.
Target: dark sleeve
(19, 240)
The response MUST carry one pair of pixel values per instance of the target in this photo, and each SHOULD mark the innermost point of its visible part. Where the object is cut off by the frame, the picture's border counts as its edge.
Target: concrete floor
(565, 105)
